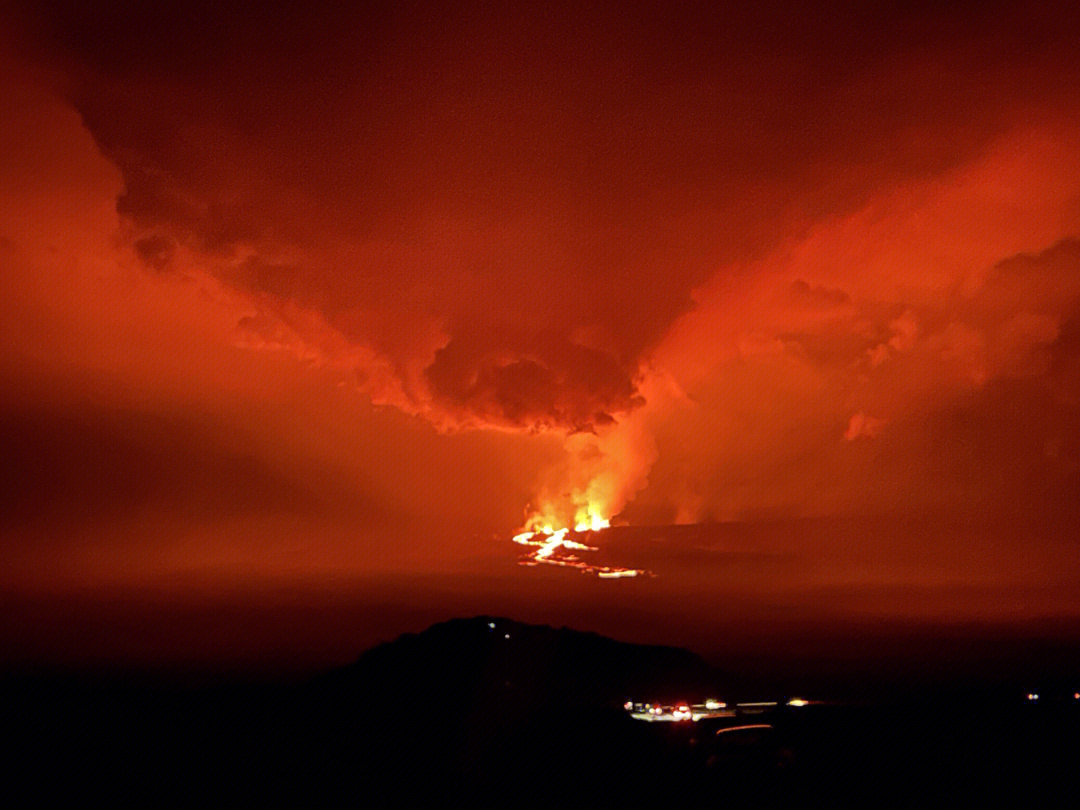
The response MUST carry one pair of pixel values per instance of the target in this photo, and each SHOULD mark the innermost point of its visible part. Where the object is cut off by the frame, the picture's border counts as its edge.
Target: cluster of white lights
(711, 708)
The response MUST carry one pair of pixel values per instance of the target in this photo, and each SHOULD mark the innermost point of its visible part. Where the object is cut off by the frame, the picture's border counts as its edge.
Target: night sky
(306, 312)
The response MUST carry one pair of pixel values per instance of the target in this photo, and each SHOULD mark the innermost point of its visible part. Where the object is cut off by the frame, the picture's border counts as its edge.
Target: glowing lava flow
(552, 544)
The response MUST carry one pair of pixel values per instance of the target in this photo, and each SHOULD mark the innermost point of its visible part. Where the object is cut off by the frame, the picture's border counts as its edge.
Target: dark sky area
(307, 311)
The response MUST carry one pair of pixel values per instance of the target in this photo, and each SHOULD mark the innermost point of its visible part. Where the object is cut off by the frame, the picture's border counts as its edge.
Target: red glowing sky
(306, 312)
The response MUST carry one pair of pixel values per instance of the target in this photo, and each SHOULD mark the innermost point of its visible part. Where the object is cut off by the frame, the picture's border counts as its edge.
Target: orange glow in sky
(320, 307)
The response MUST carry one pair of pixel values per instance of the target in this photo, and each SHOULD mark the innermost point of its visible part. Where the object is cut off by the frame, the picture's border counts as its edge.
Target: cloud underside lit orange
(304, 300)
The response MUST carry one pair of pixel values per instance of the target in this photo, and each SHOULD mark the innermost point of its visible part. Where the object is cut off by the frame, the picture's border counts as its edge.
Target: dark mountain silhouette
(491, 659)
(488, 702)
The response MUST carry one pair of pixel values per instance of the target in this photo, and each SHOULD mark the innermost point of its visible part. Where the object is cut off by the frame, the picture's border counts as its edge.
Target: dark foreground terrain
(460, 712)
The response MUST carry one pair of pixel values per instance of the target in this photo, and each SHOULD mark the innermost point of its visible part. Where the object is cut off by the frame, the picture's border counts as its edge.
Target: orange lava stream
(552, 547)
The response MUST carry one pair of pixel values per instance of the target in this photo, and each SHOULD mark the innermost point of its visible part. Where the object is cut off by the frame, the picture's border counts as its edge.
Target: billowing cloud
(384, 281)
(956, 299)
(499, 222)
(862, 425)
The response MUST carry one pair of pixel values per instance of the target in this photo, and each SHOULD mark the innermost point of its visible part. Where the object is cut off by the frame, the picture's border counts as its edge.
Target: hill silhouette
(488, 702)
(489, 658)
